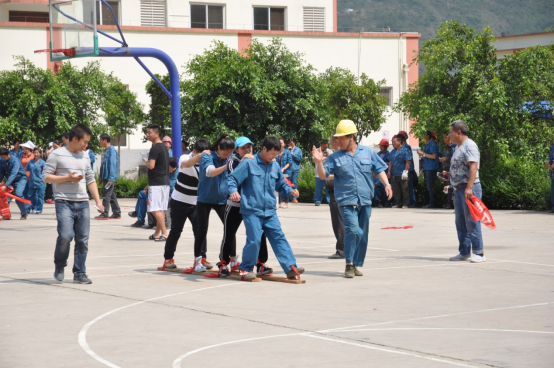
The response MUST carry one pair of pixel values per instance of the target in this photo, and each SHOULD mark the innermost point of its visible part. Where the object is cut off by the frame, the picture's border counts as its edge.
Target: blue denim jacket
(258, 182)
(35, 170)
(354, 175)
(13, 170)
(296, 159)
(430, 164)
(212, 189)
(286, 159)
(110, 167)
(173, 180)
(399, 159)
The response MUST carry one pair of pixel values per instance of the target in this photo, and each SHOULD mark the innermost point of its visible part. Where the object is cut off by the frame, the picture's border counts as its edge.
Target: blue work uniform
(212, 189)
(258, 181)
(173, 180)
(430, 169)
(17, 154)
(386, 158)
(412, 178)
(399, 160)
(283, 160)
(354, 194)
(36, 187)
(92, 159)
(16, 177)
(296, 160)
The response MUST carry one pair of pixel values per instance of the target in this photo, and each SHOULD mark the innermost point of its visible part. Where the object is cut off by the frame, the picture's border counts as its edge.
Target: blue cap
(241, 141)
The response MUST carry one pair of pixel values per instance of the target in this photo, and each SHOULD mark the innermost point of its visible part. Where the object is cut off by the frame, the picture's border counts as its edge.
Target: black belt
(463, 185)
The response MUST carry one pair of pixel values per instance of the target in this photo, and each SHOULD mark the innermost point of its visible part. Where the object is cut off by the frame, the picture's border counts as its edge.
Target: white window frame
(100, 6)
(207, 14)
(269, 16)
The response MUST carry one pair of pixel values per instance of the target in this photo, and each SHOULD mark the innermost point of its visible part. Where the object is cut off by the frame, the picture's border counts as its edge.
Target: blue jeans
(413, 177)
(318, 195)
(255, 227)
(469, 231)
(294, 180)
(140, 207)
(36, 195)
(356, 225)
(19, 190)
(430, 177)
(73, 222)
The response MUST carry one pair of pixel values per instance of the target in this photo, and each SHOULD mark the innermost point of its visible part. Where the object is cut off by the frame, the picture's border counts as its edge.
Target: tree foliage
(465, 80)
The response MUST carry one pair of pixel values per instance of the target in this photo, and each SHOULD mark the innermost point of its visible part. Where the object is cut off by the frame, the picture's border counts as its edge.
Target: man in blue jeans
(464, 177)
(109, 173)
(550, 166)
(68, 168)
(15, 175)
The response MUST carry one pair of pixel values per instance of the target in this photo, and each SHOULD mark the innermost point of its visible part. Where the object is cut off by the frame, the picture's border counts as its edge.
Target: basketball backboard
(73, 26)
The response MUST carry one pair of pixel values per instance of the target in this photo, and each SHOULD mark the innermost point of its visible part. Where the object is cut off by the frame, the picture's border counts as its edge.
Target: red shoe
(50, 201)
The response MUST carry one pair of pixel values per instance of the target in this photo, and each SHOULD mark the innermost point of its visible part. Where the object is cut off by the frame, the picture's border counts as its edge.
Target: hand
(100, 206)
(445, 189)
(248, 156)
(235, 197)
(468, 192)
(74, 177)
(388, 190)
(318, 157)
(110, 183)
(388, 175)
(295, 193)
(442, 159)
(283, 170)
(405, 175)
(145, 161)
(420, 154)
(99, 181)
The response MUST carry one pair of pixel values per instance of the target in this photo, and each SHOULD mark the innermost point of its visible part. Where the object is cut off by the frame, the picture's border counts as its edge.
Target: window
(152, 13)
(314, 19)
(23, 16)
(386, 92)
(120, 140)
(104, 15)
(207, 16)
(269, 19)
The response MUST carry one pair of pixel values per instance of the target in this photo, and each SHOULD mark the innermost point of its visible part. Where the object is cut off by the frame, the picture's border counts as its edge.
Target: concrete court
(412, 307)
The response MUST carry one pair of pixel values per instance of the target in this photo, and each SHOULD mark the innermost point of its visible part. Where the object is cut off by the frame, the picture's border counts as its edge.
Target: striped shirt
(62, 162)
(186, 187)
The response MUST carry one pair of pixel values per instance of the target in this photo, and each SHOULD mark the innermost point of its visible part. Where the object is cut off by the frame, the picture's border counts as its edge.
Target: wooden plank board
(236, 276)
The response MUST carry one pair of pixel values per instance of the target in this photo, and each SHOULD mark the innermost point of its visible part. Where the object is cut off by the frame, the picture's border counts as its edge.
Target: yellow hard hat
(345, 127)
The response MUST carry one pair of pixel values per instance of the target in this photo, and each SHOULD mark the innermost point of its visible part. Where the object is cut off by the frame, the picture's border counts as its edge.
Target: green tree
(160, 104)
(346, 99)
(465, 80)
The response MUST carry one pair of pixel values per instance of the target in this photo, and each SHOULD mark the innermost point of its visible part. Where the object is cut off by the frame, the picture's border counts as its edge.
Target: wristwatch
(388, 184)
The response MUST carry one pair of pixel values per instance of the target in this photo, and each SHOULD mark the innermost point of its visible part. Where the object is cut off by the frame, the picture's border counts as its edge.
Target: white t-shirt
(186, 187)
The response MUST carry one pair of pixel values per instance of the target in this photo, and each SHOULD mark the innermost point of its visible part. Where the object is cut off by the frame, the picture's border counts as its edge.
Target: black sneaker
(295, 273)
(138, 224)
(115, 216)
(24, 217)
(268, 271)
(337, 255)
(103, 216)
(133, 214)
(81, 279)
(58, 273)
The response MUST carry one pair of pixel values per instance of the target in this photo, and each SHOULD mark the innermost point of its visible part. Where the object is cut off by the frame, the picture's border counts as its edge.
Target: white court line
(391, 351)
(529, 263)
(432, 265)
(445, 329)
(94, 268)
(83, 333)
(438, 316)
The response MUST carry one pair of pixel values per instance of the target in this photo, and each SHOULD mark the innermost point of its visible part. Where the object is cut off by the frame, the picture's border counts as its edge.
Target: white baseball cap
(29, 145)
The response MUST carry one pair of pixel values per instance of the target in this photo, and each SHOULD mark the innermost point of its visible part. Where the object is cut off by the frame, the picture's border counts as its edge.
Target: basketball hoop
(66, 52)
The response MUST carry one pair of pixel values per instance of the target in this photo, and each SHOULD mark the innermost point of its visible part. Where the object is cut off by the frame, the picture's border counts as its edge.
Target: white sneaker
(198, 266)
(477, 258)
(460, 257)
(234, 263)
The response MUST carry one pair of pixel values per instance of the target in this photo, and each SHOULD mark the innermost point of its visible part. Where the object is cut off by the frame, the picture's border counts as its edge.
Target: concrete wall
(507, 45)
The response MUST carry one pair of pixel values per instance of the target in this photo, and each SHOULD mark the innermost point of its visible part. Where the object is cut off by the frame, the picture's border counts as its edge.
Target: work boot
(357, 272)
(58, 273)
(295, 272)
(349, 273)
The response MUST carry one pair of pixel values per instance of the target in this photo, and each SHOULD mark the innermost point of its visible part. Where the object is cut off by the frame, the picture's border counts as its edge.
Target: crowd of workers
(239, 186)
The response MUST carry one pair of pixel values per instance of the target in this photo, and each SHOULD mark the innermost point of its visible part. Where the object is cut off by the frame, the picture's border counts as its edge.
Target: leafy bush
(127, 188)
(306, 183)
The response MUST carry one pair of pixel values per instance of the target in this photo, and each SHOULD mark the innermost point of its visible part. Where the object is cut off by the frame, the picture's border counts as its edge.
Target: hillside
(424, 16)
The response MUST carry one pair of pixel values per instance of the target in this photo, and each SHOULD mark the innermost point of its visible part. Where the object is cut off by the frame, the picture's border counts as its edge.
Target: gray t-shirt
(63, 162)
(459, 166)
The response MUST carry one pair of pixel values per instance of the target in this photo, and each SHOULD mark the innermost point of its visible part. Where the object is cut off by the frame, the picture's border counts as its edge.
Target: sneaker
(223, 269)
(58, 273)
(337, 255)
(103, 216)
(198, 266)
(396, 206)
(133, 214)
(478, 258)
(294, 201)
(267, 271)
(285, 206)
(379, 205)
(24, 217)
(460, 257)
(245, 275)
(148, 226)
(404, 207)
(50, 201)
(207, 264)
(115, 217)
(82, 279)
(234, 263)
(349, 272)
(169, 264)
(138, 224)
(295, 272)
(357, 272)
(317, 203)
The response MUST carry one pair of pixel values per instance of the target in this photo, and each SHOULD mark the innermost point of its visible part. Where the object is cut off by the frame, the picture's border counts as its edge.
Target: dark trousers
(180, 212)
(49, 194)
(401, 190)
(203, 220)
(231, 222)
(336, 217)
(108, 198)
(430, 177)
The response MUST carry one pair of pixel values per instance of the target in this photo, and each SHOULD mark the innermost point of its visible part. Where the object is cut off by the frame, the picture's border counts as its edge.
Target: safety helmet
(345, 127)
(167, 139)
(403, 133)
(384, 142)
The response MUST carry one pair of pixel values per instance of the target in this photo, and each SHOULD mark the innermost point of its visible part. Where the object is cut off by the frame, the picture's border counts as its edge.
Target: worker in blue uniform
(353, 167)
(258, 180)
(296, 160)
(15, 176)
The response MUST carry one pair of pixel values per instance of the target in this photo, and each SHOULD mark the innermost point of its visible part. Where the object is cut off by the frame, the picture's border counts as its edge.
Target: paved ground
(412, 307)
